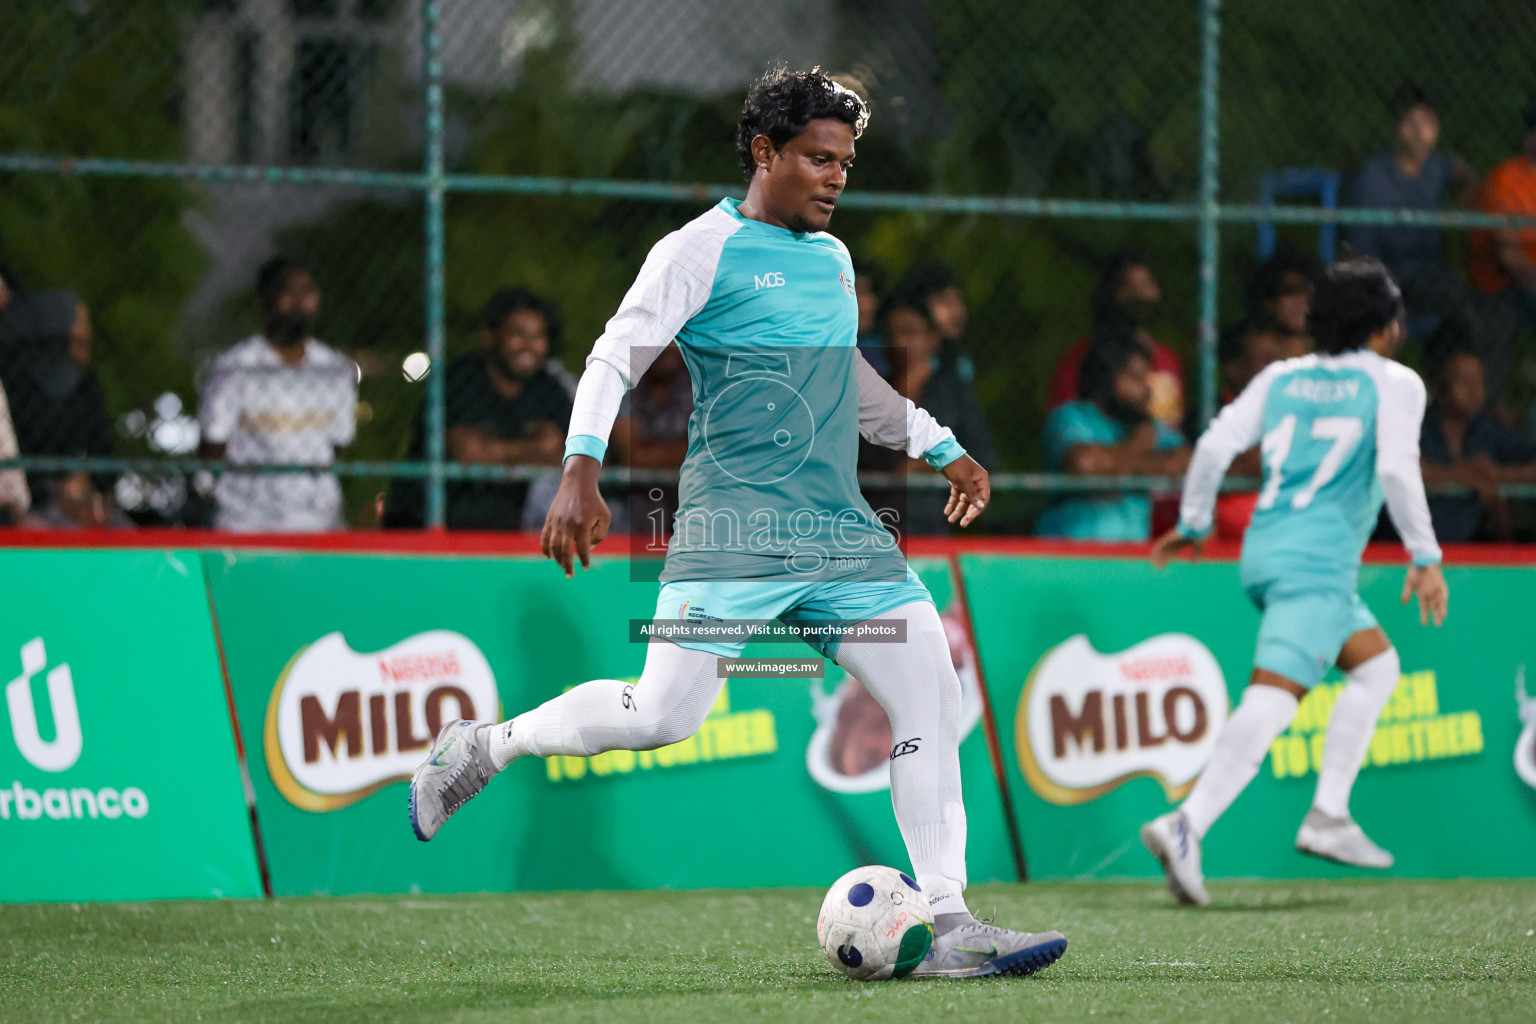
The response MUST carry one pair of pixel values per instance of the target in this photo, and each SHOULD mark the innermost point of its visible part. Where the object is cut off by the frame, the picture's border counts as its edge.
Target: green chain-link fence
(418, 155)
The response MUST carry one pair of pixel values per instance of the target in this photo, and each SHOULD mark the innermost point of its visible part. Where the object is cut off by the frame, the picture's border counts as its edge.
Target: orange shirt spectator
(1510, 188)
(1502, 259)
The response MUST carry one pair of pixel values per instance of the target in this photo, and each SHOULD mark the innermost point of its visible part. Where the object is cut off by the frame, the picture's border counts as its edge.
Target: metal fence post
(1210, 209)
(432, 67)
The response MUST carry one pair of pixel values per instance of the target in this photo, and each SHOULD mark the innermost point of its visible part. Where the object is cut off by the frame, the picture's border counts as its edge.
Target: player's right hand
(578, 518)
(1170, 544)
(1427, 583)
(970, 489)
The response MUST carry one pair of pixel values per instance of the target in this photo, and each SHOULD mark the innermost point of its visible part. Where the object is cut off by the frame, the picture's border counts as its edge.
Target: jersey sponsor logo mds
(342, 724)
(772, 279)
(1088, 722)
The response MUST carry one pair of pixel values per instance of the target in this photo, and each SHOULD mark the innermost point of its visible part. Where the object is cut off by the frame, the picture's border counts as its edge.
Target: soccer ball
(875, 924)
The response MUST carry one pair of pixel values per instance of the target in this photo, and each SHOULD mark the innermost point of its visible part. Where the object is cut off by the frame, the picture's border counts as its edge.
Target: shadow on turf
(1162, 901)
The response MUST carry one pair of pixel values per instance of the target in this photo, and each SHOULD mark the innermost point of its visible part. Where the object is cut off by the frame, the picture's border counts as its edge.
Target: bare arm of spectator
(1137, 455)
(344, 422)
(1465, 177)
(1512, 255)
(1512, 459)
(634, 449)
(218, 411)
(542, 445)
(15, 498)
(1480, 478)
(1250, 463)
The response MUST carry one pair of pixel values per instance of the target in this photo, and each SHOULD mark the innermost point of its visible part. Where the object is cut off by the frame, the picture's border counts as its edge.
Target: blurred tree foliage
(97, 79)
(1094, 100)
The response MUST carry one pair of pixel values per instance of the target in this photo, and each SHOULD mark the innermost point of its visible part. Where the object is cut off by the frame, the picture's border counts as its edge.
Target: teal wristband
(585, 444)
(943, 453)
(1188, 533)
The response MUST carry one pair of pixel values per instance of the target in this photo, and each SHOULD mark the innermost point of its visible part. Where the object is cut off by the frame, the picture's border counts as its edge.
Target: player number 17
(1343, 431)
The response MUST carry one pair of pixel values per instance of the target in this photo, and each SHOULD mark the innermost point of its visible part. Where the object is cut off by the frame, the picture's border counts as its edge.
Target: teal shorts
(788, 601)
(1304, 627)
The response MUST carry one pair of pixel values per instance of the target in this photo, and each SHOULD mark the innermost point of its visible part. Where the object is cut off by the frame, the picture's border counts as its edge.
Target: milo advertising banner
(118, 774)
(1110, 682)
(344, 666)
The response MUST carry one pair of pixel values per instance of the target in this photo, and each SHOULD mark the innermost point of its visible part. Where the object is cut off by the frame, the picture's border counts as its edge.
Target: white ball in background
(415, 366)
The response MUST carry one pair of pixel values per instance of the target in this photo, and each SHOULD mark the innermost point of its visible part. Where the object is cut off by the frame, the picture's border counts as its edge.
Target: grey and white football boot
(1339, 840)
(979, 948)
(456, 769)
(1175, 845)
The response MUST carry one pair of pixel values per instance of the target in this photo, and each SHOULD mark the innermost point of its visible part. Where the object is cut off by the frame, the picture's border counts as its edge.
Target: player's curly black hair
(1353, 300)
(783, 102)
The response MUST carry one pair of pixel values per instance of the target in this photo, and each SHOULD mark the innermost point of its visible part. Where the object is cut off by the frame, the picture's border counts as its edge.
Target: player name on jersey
(342, 724)
(1088, 722)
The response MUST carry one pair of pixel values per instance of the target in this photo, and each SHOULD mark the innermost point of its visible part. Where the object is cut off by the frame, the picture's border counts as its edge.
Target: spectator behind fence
(1502, 264)
(503, 408)
(1109, 431)
(1126, 300)
(280, 398)
(1414, 175)
(56, 403)
(1278, 298)
(652, 433)
(937, 287)
(868, 286)
(1462, 443)
(930, 372)
(15, 496)
(1242, 352)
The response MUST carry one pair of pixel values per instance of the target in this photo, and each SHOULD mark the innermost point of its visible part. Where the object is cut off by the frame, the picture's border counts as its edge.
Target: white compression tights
(915, 682)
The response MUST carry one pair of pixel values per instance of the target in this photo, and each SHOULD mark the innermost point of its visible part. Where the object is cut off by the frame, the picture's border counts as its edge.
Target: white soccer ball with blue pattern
(875, 924)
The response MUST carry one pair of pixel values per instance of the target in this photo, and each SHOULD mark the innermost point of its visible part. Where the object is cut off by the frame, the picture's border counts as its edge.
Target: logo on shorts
(693, 611)
(1089, 722)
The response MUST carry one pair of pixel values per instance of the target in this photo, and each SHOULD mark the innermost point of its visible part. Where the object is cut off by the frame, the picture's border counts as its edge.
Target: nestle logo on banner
(1088, 722)
(342, 724)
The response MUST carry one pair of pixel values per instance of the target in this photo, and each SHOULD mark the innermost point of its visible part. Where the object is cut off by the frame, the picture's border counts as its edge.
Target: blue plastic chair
(1320, 183)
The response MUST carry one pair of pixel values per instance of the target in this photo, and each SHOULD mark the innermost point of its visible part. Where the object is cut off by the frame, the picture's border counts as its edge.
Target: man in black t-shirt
(503, 407)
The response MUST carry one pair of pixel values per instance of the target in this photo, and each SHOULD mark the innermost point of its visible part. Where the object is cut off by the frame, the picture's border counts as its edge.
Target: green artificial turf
(1448, 952)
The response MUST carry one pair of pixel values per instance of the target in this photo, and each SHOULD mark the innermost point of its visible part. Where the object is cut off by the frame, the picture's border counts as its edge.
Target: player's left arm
(1235, 429)
(889, 419)
(1399, 418)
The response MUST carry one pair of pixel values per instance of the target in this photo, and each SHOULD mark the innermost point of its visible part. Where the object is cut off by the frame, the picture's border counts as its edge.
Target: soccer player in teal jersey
(770, 521)
(1338, 432)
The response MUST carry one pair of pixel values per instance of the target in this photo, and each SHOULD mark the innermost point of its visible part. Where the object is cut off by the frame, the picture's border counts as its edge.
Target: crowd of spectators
(1119, 403)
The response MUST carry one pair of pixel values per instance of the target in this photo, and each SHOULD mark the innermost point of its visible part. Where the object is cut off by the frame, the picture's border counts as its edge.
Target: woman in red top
(1128, 291)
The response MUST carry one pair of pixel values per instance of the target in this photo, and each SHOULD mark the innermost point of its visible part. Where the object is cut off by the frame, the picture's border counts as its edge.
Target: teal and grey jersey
(1338, 434)
(766, 320)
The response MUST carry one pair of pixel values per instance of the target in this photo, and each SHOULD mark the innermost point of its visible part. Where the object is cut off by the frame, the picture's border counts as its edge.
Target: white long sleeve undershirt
(1399, 416)
(671, 288)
